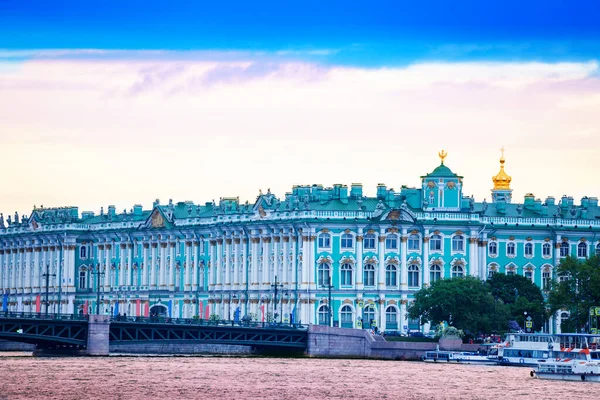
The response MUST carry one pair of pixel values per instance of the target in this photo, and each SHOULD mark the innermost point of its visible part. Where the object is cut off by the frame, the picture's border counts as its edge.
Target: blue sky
(353, 33)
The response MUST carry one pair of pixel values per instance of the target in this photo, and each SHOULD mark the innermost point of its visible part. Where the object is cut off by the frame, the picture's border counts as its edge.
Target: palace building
(288, 258)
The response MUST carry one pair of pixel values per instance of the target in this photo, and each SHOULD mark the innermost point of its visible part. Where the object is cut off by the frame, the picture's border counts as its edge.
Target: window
(458, 271)
(324, 241)
(435, 273)
(391, 275)
(368, 316)
(83, 252)
(414, 242)
(435, 244)
(458, 243)
(391, 318)
(323, 274)
(510, 271)
(391, 242)
(82, 279)
(564, 249)
(346, 315)
(492, 270)
(493, 249)
(598, 249)
(528, 249)
(347, 241)
(369, 241)
(413, 275)
(431, 199)
(546, 281)
(510, 249)
(529, 275)
(346, 274)
(582, 250)
(369, 275)
(546, 250)
(324, 315)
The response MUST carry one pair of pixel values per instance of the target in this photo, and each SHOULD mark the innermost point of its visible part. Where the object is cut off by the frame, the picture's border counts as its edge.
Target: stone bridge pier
(98, 335)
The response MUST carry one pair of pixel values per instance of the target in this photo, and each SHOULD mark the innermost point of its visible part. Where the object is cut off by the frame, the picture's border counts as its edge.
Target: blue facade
(372, 253)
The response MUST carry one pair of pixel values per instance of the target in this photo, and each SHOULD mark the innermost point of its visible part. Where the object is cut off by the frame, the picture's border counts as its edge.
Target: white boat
(527, 349)
(578, 359)
(462, 357)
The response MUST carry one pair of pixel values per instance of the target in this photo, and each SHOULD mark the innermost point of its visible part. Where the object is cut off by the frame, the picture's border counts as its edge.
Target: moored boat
(462, 357)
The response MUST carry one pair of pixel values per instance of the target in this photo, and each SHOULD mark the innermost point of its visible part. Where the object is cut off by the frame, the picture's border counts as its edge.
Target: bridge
(96, 334)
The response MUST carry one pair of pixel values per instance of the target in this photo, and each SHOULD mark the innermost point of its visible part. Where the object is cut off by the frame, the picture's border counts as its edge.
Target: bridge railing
(206, 322)
(55, 316)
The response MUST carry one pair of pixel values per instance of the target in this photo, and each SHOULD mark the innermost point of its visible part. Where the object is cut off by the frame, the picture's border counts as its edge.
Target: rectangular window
(546, 249)
(414, 243)
(391, 242)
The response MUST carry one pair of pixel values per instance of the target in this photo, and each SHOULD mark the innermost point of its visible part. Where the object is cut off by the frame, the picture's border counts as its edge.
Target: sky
(108, 103)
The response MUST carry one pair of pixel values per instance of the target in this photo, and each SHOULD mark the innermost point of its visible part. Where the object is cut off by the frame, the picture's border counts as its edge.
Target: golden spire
(502, 180)
(442, 154)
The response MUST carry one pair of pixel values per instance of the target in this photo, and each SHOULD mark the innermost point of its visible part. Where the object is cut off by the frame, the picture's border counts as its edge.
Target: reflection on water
(24, 377)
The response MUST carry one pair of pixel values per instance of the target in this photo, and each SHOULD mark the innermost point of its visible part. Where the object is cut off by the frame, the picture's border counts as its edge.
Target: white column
(236, 263)
(213, 264)
(36, 268)
(473, 255)
(403, 260)
(426, 260)
(277, 258)
(219, 265)
(69, 270)
(245, 274)
(359, 260)
(107, 267)
(381, 266)
(172, 272)
(146, 266)
(255, 250)
(305, 261)
(482, 257)
(129, 273)
(297, 242)
(153, 266)
(381, 325)
(557, 258)
(286, 260)
(188, 266)
(195, 264)
(265, 281)
(312, 265)
(122, 249)
(163, 266)
(2, 272)
(403, 317)
(228, 263)
(20, 268)
(27, 283)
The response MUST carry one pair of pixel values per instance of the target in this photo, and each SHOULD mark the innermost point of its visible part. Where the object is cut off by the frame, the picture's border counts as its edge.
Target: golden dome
(502, 180)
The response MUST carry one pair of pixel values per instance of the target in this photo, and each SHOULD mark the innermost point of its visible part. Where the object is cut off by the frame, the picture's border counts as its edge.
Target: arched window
(458, 243)
(510, 270)
(528, 249)
(435, 244)
(546, 250)
(346, 274)
(493, 249)
(582, 250)
(323, 314)
(510, 249)
(391, 242)
(368, 316)
(598, 249)
(324, 241)
(546, 281)
(346, 317)
(391, 275)
(493, 269)
(431, 198)
(347, 241)
(391, 318)
(323, 274)
(458, 271)
(414, 242)
(83, 252)
(369, 275)
(82, 279)
(435, 273)
(369, 241)
(413, 275)
(528, 274)
(564, 249)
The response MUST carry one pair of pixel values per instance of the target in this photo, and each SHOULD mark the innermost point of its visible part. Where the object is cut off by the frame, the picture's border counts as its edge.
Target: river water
(120, 377)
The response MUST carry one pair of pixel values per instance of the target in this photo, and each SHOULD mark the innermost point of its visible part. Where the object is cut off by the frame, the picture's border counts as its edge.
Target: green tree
(464, 303)
(521, 296)
(577, 289)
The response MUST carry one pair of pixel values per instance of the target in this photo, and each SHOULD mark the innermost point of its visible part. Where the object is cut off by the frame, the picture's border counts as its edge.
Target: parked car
(391, 333)
(417, 334)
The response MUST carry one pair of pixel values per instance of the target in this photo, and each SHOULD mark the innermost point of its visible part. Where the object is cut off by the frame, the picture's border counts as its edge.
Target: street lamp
(98, 273)
(329, 286)
(276, 286)
(47, 275)
(231, 296)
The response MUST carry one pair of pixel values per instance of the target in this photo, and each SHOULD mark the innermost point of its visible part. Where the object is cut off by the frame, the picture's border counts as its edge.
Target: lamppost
(98, 273)
(276, 286)
(329, 286)
(47, 275)
(231, 296)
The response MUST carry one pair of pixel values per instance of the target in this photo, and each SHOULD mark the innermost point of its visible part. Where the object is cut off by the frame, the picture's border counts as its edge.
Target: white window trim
(442, 240)
(464, 250)
(419, 242)
(506, 249)
(550, 254)
(342, 248)
(532, 250)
